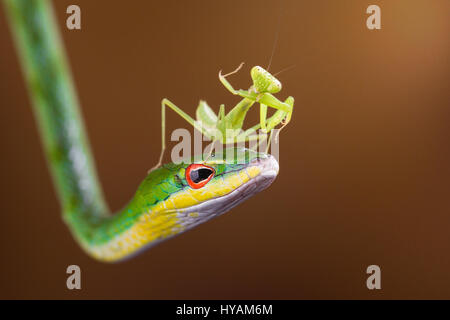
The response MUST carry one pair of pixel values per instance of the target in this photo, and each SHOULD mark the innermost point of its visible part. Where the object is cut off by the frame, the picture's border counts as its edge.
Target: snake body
(170, 200)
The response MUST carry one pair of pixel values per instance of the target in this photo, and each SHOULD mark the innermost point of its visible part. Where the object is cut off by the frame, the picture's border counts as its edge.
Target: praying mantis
(227, 128)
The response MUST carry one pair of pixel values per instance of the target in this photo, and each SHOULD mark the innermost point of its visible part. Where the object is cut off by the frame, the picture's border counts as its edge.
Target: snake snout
(268, 165)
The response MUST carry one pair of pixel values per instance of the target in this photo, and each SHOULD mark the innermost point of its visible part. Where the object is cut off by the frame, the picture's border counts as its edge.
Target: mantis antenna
(275, 42)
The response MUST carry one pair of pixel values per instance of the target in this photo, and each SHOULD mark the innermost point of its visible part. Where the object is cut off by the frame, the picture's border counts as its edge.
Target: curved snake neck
(163, 205)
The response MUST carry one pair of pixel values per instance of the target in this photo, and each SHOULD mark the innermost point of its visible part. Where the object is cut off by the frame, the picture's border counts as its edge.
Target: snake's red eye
(197, 175)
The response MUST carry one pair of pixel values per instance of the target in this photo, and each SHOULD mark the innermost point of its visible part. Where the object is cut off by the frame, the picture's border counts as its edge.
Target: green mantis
(227, 128)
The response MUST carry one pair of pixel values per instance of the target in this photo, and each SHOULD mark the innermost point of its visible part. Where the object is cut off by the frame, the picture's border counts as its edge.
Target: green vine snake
(170, 200)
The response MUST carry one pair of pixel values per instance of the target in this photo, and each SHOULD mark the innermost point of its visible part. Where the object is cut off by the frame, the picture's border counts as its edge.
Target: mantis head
(263, 81)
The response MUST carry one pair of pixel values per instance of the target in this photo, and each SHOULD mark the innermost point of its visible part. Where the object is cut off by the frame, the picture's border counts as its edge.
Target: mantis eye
(197, 175)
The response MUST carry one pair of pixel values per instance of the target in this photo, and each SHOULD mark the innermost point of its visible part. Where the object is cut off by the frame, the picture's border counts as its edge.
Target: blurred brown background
(365, 161)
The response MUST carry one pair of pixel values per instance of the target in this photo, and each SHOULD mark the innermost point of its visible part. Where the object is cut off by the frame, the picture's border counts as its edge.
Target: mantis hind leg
(167, 103)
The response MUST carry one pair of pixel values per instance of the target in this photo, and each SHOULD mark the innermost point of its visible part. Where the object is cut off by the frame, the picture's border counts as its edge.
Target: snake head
(178, 197)
(198, 191)
(215, 186)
